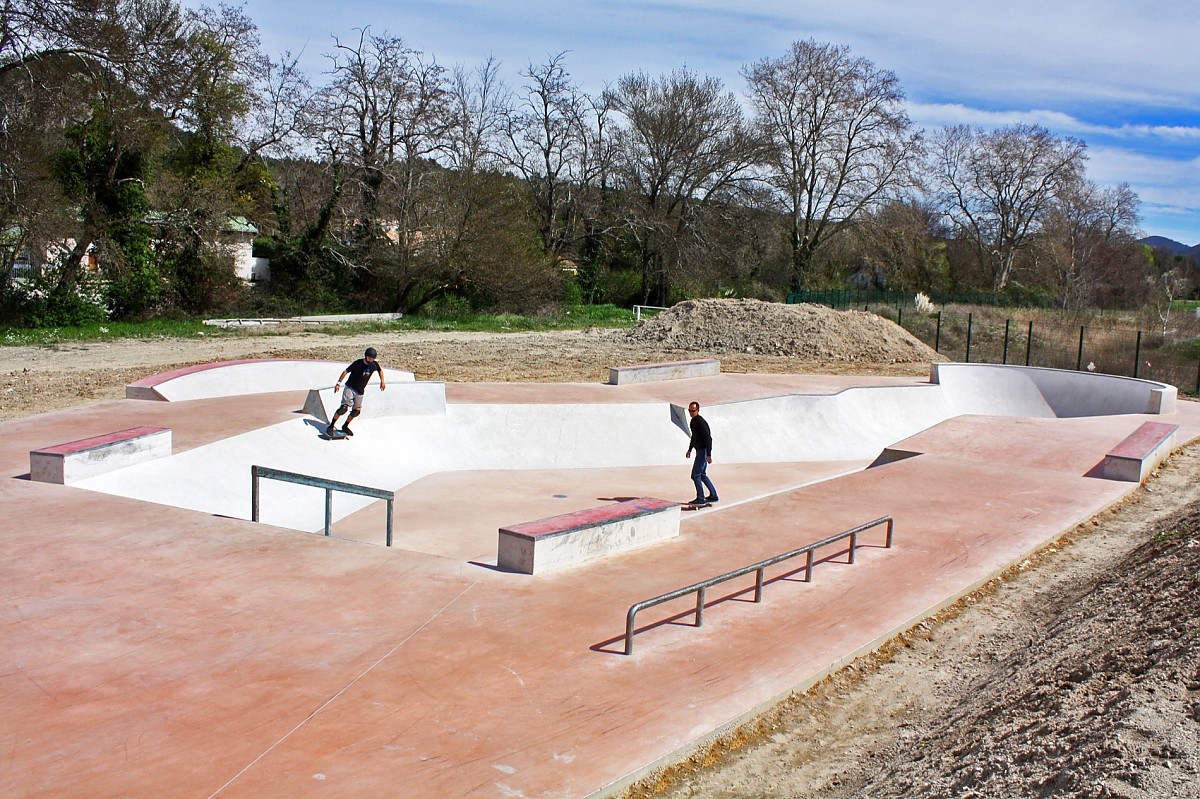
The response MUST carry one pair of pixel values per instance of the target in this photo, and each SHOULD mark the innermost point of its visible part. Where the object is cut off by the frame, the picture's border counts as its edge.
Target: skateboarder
(359, 374)
(701, 442)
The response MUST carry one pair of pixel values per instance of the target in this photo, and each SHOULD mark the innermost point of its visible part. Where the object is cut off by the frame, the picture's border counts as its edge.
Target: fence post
(1137, 353)
(1004, 359)
(969, 321)
(900, 315)
(1029, 344)
(1079, 358)
(937, 337)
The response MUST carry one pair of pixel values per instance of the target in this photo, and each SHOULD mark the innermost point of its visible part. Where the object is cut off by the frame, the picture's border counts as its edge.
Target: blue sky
(1122, 75)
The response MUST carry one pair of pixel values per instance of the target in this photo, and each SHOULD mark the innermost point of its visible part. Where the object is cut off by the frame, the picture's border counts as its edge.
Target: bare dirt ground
(1076, 674)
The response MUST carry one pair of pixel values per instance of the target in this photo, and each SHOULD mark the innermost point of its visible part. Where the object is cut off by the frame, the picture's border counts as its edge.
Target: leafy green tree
(106, 180)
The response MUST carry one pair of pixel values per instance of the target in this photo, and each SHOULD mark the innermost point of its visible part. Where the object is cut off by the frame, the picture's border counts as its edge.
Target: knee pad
(354, 413)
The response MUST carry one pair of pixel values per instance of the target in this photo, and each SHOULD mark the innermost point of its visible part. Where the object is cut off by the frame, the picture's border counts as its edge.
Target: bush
(29, 305)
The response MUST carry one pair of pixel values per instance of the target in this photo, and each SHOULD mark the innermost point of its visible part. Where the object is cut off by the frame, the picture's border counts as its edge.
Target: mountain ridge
(1163, 243)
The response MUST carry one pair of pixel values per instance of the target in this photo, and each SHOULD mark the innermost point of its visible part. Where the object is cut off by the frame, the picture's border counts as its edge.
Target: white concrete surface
(404, 398)
(1065, 393)
(252, 377)
(391, 452)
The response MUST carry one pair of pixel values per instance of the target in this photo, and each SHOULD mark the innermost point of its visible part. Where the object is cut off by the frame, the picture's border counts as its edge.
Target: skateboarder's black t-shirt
(360, 373)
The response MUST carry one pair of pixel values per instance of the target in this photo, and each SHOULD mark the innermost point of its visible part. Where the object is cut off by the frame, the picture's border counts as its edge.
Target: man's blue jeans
(700, 475)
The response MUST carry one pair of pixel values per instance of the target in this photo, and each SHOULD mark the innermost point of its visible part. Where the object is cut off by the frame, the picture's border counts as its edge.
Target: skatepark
(160, 642)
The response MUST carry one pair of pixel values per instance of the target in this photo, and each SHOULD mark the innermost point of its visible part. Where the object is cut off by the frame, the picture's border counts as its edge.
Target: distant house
(19, 259)
(237, 239)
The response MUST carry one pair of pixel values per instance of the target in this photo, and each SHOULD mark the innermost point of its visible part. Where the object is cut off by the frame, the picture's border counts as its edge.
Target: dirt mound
(805, 331)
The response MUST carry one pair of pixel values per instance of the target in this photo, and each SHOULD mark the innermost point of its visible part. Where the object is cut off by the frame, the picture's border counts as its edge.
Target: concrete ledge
(673, 370)
(1142, 450)
(78, 460)
(400, 399)
(572, 538)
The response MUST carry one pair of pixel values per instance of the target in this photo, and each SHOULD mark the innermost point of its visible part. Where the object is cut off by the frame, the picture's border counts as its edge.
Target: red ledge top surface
(96, 442)
(582, 519)
(162, 377)
(1144, 440)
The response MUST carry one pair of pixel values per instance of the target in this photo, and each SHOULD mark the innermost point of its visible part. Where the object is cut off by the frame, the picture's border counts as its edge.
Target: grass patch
(109, 331)
(575, 318)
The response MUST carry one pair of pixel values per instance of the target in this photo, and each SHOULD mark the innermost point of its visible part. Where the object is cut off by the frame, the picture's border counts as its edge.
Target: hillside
(1163, 243)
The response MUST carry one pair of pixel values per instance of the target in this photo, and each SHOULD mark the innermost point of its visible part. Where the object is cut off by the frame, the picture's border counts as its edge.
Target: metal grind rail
(329, 486)
(699, 588)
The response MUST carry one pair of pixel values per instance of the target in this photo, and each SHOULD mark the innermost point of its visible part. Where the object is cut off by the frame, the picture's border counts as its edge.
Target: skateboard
(696, 505)
(336, 435)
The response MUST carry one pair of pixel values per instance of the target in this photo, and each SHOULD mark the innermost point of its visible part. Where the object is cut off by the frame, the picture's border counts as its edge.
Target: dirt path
(1076, 675)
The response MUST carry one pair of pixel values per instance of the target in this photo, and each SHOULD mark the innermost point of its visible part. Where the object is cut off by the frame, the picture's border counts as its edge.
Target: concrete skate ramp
(998, 390)
(392, 451)
(234, 378)
(403, 398)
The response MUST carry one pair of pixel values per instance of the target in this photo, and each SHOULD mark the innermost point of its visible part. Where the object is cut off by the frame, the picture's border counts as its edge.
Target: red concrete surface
(589, 517)
(154, 651)
(1142, 442)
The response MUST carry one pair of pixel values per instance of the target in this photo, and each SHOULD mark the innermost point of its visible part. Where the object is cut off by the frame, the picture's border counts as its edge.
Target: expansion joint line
(318, 710)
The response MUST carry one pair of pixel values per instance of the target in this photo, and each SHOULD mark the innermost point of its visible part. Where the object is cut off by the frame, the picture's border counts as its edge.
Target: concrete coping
(671, 370)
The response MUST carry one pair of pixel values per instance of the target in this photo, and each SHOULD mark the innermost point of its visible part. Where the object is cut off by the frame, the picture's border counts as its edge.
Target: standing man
(360, 374)
(702, 443)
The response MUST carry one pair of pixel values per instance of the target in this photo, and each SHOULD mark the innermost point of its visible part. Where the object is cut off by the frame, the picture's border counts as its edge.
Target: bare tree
(996, 187)
(546, 136)
(386, 110)
(1087, 236)
(841, 141)
(685, 143)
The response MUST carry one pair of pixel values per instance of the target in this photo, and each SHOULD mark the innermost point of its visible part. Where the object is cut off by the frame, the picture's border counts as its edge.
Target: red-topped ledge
(87, 457)
(584, 535)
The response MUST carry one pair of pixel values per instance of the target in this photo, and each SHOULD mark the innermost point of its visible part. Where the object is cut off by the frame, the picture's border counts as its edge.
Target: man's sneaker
(713, 499)
(698, 501)
(331, 430)
(347, 430)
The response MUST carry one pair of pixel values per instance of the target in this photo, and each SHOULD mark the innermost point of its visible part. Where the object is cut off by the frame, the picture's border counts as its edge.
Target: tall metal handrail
(267, 473)
(760, 568)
